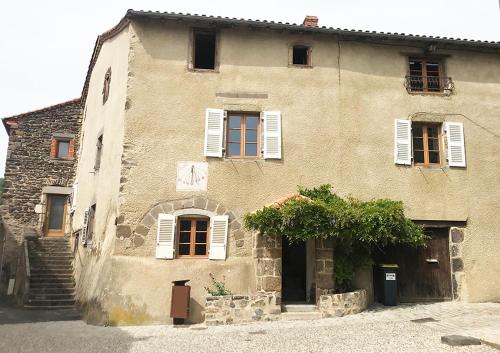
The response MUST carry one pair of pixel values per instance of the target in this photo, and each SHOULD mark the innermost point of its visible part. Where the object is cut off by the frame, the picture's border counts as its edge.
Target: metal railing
(429, 84)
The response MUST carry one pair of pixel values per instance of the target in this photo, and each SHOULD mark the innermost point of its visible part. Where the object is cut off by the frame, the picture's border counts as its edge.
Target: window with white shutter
(83, 234)
(214, 132)
(218, 237)
(456, 144)
(165, 236)
(272, 135)
(402, 141)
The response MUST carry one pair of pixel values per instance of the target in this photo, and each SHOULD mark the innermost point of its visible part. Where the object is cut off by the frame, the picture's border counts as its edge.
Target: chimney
(310, 21)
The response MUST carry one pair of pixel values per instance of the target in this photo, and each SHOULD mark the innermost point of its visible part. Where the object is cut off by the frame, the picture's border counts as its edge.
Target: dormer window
(107, 83)
(426, 75)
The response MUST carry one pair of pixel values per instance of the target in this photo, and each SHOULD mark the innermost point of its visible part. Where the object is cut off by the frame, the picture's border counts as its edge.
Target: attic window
(301, 55)
(105, 88)
(204, 50)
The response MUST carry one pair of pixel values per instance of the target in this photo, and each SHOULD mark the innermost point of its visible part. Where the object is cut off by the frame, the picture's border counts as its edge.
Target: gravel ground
(374, 331)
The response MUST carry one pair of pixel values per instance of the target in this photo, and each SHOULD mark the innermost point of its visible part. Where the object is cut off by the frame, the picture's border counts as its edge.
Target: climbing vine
(356, 227)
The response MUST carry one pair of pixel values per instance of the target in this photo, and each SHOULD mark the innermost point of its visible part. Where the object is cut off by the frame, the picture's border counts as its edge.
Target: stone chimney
(310, 21)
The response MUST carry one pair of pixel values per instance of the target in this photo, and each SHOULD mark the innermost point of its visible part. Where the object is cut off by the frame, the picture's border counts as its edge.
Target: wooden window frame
(243, 135)
(425, 139)
(54, 149)
(58, 142)
(425, 83)
(192, 237)
(309, 56)
(192, 49)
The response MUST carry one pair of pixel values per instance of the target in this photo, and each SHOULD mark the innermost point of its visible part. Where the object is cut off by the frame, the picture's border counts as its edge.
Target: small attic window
(204, 49)
(301, 55)
(107, 84)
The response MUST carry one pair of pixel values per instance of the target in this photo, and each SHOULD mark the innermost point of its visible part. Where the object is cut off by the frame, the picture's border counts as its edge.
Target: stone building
(209, 118)
(39, 175)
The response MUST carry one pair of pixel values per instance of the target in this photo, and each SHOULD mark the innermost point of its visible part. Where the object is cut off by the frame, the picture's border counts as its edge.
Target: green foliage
(219, 287)
(356, 227)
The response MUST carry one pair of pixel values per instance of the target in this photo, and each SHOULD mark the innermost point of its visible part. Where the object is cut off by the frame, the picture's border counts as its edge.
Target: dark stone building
(39, 175)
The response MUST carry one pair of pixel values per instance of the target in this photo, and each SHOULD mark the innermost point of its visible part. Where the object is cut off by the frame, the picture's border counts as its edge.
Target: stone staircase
(51, 283)
(300, 312)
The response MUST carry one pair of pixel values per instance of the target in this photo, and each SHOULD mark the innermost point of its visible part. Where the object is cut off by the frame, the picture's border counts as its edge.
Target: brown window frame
(309, 56)
(58, 143)
(425, 139)
(424, 76)
(192, 237)
(243, 129)
(192, 51)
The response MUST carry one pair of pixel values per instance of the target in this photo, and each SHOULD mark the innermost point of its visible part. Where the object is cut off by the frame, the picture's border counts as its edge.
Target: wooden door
(424, 272)
(55, 217)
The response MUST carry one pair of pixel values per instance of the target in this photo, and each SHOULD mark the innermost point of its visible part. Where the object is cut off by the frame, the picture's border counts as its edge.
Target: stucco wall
(337, 127)
(93, 264)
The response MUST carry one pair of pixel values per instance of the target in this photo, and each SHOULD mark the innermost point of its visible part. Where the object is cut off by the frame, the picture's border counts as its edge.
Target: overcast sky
(45, 46)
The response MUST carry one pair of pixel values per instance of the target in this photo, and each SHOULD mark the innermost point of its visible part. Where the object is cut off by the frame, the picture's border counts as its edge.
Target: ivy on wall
(356, 227)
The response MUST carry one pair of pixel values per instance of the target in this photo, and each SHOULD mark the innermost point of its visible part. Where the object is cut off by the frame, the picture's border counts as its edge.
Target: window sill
(61, 160)
(214, 71)
(298, 66)
(431, 167)
(442, 93)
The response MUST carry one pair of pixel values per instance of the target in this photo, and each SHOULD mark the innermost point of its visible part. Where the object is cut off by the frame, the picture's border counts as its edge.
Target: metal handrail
(429, 84)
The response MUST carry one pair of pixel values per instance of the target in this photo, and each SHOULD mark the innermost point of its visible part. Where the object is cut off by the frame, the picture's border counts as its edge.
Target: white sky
(45, 46)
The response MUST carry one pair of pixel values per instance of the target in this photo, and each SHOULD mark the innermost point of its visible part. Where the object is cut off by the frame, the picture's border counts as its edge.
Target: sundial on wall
(192, 176)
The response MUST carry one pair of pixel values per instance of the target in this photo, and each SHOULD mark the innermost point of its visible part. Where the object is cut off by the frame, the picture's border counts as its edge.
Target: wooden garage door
(424, 272)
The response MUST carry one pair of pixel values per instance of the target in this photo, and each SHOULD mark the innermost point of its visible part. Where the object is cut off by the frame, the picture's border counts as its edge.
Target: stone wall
(29, 167)
(343, 304)
(236, 309)
(457, 263)
(267, 253)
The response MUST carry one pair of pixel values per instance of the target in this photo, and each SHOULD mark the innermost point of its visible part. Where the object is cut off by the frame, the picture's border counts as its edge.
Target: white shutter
(85, 227)
(218, 238)
(456, 144)
(165, 236)
(214, 132)
(272, 135)
(75, 195)
(402, 141)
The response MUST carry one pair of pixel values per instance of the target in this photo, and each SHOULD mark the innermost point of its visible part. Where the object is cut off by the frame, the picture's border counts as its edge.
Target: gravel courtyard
(376, 330)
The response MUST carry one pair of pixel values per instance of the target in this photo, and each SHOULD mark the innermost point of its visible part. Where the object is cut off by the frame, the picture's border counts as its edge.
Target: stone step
(51, 291)
(54, 256)
(51, 296)
(51, 277)
(298, 308)
(51, 271)
(314, 315)
(50, 302)
(49, 285)
(48, 263)
(71, 307)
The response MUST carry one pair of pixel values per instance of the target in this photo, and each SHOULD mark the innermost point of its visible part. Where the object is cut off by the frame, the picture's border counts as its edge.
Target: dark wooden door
(293, 271)
(424, 272)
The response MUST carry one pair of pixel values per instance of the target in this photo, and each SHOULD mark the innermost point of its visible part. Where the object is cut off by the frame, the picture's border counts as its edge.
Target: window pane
(432, 132)
(185, 225)
(56, 212)
(62, 149)
(234, 121)
(251, 149)
(235, 135)
(252, 122)
(433, 157)
(418, 143)
(200, 249)
(251, 136)
(185, 237)
(201, 225)
(233, 149)
(201, 237)
(418, 156)
(415, 67)
(183, 249)
(417, 131)
(434, 144)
